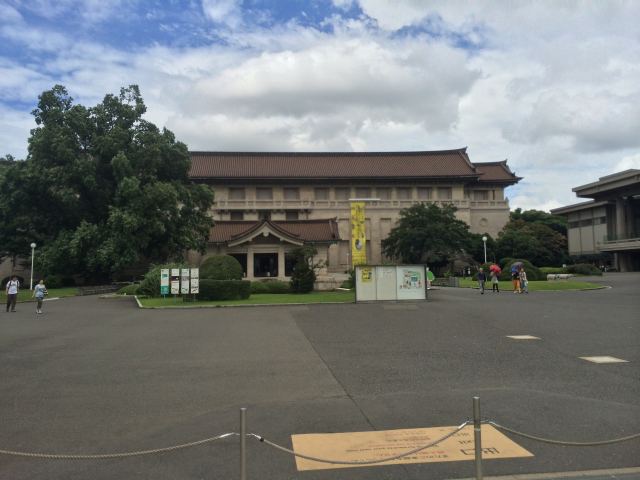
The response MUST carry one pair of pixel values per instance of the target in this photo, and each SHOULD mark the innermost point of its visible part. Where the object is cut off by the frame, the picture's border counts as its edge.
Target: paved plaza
(96, 375)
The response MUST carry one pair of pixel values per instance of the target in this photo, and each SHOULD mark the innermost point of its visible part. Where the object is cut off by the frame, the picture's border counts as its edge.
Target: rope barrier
(561, 442)
(102, 456)
(369, 462)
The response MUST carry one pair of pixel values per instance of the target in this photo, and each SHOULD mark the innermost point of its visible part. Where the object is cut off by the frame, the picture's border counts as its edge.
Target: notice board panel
(411, 283)
(386, 284)
(365, 283)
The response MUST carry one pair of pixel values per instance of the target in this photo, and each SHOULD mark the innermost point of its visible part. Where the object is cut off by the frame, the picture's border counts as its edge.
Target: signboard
(386, 285)
(184, 281)
(164, 281)
(364, 446)
(411, 282)
(175, 281)
(195, 280)
(358, 236)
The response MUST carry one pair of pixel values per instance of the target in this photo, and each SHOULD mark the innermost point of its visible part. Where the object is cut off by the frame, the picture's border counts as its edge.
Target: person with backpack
(13, 286)
(39, 293)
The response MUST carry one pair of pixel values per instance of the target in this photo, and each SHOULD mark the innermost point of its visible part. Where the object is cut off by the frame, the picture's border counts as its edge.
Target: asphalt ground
(93, 375)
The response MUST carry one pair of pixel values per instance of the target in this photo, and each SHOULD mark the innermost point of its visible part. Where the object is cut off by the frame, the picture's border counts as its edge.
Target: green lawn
(257, 299)
(24, 295)
(536, 285)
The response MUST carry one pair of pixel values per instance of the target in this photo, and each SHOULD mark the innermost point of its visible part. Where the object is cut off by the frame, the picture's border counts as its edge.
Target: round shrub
(583, 269)
(224, 289)
(221, 267)
(533, 272)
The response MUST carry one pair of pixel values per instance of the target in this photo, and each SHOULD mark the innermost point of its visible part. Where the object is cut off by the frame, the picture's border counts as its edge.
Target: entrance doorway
(242, 259)
(265, 264)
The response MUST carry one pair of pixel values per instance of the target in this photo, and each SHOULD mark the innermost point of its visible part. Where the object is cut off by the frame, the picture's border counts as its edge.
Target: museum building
(608, 223)
(268, 203)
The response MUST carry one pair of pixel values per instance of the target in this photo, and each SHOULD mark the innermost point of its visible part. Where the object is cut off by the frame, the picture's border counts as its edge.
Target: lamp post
(33, 248)
(484, 242)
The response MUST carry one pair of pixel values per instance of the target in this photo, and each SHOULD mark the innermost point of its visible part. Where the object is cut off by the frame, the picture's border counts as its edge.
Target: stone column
(620, 220)
(249, 263)
(281, 262)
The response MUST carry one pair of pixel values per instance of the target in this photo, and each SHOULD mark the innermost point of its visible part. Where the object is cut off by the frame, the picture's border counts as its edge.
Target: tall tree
(426, 233)
(102, 188)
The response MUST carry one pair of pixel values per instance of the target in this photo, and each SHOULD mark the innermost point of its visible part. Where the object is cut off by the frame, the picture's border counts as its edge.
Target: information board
(164, 281)
(175, 281)
(386, 285)
(195, 280)
(184, 281)
(410, 282)
(390, 282)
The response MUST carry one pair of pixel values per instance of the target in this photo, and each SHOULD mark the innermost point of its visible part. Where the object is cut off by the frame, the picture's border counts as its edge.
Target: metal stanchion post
(243, 443)
(477, 437)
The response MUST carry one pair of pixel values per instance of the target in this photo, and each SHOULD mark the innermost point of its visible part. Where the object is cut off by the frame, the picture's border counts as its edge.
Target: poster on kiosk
(164, 281)
(184, 281)
(390, 282)
(195, 281)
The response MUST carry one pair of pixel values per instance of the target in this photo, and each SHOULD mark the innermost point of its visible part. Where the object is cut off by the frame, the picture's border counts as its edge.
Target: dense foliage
(537, 236)
(224, 289)
(429, 234)
(100, 190)
(303, 276)
(221, 267)
(583, 269)
(270, 286)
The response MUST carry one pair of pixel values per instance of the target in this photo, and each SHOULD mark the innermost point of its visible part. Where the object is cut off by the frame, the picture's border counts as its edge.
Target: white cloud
(223, 11)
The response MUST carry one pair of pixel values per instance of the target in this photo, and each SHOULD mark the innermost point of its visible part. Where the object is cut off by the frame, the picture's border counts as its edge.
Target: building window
(322, 193)
(264, 193)
(264, 214)
(343, 193)
(445, 193)
(574, 224)
(586, 223)
(291, 215)
(363, 192)
(383, 193)
(602, 220)
(237, 215)
(403, 193)
(236, 194)
(480, 195)
(292, 193)
(425, 193)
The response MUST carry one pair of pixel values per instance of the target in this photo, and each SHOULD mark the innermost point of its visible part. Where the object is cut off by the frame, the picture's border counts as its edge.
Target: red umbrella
(495, 268)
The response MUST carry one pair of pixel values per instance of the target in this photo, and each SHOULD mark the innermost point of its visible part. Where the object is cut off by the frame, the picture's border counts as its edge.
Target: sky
(551, 86)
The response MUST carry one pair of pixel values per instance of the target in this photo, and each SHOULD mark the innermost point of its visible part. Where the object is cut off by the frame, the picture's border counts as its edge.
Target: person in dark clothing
(13, 286)
(495, 282)
(482, 278)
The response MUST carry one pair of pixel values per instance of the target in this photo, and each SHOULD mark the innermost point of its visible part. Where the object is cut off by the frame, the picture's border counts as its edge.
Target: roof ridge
(293, 154)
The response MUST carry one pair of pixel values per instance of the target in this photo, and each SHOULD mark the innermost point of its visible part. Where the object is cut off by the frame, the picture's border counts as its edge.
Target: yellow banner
(358, 237)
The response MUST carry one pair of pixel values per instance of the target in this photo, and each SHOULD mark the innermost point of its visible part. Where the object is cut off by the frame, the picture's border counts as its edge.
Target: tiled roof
(496, 172)
(287, 165)
(303, 230)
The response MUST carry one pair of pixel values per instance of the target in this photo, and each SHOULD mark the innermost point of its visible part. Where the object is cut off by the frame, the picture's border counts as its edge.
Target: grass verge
(24, 295)
(537, 285)
(256, 299)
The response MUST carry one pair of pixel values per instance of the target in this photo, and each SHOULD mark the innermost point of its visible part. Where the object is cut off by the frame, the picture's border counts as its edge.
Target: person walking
(13, 286)
(495, 282)
(524, 283)
(482, 277)
(515, 278)
(39, 293)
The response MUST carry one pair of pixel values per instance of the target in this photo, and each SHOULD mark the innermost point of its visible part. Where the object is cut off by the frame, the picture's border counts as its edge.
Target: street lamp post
(484, 242)
(33, 248)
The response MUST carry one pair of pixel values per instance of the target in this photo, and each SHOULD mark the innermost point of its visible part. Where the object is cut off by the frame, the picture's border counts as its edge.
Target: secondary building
(266, 204)
(609, 222)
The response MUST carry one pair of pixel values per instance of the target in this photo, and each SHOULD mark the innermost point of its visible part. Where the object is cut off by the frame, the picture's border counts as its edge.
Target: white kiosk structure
(390, 282)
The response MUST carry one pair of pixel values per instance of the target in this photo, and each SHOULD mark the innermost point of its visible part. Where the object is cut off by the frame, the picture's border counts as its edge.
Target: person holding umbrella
(515, 276)
(494, 273)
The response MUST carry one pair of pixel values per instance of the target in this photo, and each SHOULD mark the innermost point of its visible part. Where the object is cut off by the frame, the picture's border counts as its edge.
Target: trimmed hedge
(583, 269)
(270, 286)
(221, 267)
(224, 289)
(552, 270)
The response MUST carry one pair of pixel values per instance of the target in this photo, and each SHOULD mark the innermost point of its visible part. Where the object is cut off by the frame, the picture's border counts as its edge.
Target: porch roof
(295, 231)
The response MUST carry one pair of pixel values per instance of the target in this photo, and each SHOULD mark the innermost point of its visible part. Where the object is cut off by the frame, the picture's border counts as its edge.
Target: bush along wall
(270, 286)
(221, 267)
(224, 289)
(583, 269)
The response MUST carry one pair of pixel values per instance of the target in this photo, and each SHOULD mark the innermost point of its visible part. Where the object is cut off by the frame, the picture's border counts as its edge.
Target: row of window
(587, 222)
(345, 193)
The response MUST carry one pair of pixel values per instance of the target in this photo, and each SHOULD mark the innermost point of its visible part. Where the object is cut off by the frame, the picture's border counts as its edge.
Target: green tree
(101, 189)
(555, 222)
(303, 276)
(536, 241)
(426, 233)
